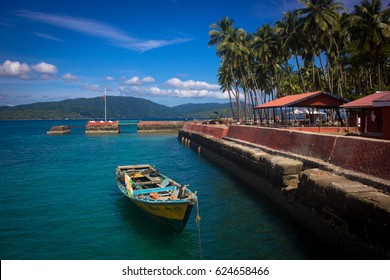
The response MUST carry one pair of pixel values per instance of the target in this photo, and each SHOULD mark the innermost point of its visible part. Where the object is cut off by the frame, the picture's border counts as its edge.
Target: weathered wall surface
(212, 130)
(369, 156)
(350, 216)
(159, 126)
(102, 129)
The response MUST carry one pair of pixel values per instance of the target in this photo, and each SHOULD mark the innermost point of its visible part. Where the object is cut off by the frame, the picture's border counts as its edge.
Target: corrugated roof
(304, 99)
(367, 101)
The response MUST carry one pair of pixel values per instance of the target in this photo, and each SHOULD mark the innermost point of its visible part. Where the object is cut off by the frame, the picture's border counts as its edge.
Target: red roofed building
(313, 100)
(317, 99)
(371, 114)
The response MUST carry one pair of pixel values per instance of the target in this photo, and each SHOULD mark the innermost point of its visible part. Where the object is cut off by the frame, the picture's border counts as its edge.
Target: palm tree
(293, 39)
(370, 29)
(266, 50)
(321, 22)
(225, 80)
(220, 30)
(234, 49)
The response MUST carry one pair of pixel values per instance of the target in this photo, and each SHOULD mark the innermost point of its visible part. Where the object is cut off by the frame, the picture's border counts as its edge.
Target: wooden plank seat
(157, 190)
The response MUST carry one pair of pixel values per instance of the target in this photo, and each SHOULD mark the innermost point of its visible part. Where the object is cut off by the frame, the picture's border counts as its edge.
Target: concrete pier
(159, 126)
(59, 130)
(95, 127)
(340, 206)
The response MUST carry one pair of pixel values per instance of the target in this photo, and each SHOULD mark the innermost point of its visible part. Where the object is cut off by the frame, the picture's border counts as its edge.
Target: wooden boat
(160, 197)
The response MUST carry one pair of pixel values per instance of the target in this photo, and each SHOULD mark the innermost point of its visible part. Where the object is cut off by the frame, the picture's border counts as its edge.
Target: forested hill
(117, 108)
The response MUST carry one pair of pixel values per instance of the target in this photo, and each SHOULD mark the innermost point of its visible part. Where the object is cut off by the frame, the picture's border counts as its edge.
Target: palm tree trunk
(231, 103)
(323, 71)
(379, 75)
(237, 95)
(300, 73)
(314, 71)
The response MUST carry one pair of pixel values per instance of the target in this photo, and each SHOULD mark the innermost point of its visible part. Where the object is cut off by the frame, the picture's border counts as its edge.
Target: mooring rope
(198, 223)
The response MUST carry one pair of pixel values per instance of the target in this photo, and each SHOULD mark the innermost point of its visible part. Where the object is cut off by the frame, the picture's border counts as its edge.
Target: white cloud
(92, 87)
(101, 30)
(109, 78)
(46, 77)
(148, 79)
(172, 88)
(133, 81)
(190, 84)
(187, 93)
(47, 36)
(138, 81)
(45, 68)
(69, 78)
(14, 69)
(179, 93)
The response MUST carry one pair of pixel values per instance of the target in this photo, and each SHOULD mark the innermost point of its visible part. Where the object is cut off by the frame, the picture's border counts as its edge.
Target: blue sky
(153, 49)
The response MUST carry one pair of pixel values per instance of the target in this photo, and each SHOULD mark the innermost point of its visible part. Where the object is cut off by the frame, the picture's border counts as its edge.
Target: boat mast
(105, 105)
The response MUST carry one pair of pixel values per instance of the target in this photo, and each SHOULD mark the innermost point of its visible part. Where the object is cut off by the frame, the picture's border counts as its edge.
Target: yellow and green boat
(160, 197)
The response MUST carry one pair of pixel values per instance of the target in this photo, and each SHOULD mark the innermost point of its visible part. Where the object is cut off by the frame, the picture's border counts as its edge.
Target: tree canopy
(317, 47)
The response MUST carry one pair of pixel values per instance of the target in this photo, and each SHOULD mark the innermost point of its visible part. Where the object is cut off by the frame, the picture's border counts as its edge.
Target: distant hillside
(205, 110)
(117, 108)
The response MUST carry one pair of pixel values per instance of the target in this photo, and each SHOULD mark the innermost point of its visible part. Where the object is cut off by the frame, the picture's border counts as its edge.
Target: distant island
(118, 107)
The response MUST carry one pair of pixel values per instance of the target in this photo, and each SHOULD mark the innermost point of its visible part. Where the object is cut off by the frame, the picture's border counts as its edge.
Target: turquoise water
(59, 200)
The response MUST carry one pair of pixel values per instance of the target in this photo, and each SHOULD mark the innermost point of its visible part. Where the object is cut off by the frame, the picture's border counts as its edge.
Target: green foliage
(346, 54)
(117, 108)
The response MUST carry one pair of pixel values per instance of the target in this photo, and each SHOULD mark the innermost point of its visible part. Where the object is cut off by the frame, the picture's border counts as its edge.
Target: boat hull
(172, 215)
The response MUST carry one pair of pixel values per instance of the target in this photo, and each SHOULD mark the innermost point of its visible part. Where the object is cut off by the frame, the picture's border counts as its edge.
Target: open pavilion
(317, 107)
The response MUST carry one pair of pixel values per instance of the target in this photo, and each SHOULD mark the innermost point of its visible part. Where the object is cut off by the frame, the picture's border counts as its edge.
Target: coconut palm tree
(369, 28)
(234, 49)
(225, 80)
(266, 50)
(321, 22)
(289, 29)
(220, 30)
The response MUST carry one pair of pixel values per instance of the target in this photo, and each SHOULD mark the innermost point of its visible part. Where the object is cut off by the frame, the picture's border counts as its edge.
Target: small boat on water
(160, 197)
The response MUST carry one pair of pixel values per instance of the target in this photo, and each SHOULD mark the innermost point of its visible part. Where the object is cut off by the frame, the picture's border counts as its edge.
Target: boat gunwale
(187, 200)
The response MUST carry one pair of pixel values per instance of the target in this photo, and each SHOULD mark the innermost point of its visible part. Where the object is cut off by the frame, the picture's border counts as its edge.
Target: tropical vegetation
(118, 107)
(317, 47)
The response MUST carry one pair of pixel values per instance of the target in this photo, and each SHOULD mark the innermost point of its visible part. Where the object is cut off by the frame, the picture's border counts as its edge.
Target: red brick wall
(369, 156)
(307, 144)
(211, 130)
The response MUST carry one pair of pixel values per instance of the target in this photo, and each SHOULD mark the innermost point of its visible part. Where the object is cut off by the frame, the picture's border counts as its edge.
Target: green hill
(117, 108)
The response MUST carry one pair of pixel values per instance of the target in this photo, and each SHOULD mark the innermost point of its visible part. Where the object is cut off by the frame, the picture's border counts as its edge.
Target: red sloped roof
(310, 99)
(368, 100)
(384, 98)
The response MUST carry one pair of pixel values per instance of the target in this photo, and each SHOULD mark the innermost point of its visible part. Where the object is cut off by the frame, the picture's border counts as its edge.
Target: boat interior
(148, 181)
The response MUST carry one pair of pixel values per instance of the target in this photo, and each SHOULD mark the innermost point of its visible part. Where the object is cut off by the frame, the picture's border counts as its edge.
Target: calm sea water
(59, 200)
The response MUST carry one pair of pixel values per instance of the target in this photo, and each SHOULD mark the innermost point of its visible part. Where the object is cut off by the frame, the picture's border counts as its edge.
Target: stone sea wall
(59, 130)
(102, 129)
(159, 126)
(349, 215)
(369, 156)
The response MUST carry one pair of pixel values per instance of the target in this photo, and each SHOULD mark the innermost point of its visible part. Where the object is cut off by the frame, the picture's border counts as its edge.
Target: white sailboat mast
(105, 105)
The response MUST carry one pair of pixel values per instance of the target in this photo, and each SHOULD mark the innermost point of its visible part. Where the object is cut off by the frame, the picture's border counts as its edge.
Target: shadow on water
(274, 219)
(154, 240)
